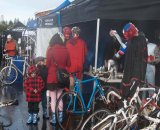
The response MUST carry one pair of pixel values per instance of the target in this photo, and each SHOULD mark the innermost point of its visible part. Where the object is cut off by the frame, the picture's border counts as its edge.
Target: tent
(17, 27)
(88, 10)
(97, 17)
(47, 26)
(111, 15)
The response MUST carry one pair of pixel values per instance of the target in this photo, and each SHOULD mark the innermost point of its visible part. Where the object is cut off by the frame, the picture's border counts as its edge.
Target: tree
(3, 26)
(16, 20)
(10, 23)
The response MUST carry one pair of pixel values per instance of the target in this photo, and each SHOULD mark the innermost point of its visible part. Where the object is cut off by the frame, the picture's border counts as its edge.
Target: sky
(24, 9)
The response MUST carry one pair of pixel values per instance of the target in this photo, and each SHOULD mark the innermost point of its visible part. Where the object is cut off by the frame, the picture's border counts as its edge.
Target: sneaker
(45, 115)
(53, 119)
(60, 117)
(35, 118)
(30, 118)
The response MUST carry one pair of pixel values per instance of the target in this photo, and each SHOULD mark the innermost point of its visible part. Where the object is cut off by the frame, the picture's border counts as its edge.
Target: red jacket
(30, 84)
(61, 56)
(77, 52)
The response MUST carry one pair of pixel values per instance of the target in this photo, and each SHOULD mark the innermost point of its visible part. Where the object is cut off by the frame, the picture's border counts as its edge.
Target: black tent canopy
(113, 14)
(88, 10)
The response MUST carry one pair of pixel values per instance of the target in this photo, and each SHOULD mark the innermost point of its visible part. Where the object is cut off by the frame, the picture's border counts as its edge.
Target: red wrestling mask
(67, 32)
(129, 31)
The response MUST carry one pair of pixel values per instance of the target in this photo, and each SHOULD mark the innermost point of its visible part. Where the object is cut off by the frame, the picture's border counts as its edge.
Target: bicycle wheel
(8, 75)
(109, 123)
(94, 118)
(70, 105)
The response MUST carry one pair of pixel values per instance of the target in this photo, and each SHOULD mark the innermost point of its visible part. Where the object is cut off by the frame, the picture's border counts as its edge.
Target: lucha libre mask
(129, 31)
(67, 32)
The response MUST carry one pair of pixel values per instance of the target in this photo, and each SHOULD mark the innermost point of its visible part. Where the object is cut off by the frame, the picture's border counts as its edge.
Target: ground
(18, 114)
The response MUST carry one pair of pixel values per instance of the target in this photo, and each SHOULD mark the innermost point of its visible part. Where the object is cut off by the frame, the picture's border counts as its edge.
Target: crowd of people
(69, 51)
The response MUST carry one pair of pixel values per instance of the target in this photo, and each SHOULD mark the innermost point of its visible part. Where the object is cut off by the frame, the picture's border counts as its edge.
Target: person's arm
(86, 50)
(68, 62)
(121, 52)
(48, 55)
(40, 84)
(113, 33)
(27, 88)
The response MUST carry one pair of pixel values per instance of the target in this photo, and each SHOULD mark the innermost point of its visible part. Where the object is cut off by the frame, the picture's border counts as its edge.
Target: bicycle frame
(24, 65)
(96, 87)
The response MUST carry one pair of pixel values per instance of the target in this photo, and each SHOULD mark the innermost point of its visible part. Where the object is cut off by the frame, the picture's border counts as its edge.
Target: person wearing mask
(77, 49)
(58, 53)
(10, 47)
(67, 33)
(135, 58)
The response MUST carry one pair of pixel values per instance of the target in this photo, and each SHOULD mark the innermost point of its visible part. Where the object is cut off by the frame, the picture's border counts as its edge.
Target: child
(33, 86)
(43, 72)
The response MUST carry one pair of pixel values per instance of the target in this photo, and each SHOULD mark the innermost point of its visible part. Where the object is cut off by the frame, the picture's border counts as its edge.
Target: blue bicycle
(72, 104)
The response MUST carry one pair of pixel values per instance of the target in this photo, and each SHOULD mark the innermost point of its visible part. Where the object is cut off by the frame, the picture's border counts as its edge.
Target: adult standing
(152, 60)
(10, 47)
(135, 59)
(77, 50)
(58, 53)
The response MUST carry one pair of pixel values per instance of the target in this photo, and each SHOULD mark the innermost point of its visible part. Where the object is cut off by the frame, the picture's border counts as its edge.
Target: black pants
(44, 100)
(33, 107)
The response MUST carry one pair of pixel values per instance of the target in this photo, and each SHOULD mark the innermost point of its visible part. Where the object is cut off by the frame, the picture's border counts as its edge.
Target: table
(115, 80)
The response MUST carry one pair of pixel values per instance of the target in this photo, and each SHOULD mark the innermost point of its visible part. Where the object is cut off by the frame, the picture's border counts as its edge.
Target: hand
(35, 91)
(112, 32)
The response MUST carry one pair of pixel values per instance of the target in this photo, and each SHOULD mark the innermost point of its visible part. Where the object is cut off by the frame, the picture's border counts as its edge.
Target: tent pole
(97, 40)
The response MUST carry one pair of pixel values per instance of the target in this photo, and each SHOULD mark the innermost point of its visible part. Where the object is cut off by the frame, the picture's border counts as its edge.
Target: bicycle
(126, 117)
(9, 73)
(74, 107)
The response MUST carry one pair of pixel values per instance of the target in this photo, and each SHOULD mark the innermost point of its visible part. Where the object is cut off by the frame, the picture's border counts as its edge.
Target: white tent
(43, 37)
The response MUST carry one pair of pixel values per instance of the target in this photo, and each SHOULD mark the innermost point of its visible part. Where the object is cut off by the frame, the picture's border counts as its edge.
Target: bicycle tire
(109, 124)
(72, 120)
(94, 118)
(8, 75)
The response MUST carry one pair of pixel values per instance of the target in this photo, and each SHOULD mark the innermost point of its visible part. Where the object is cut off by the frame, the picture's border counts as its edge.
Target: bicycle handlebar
(8, 58)
(115, 94)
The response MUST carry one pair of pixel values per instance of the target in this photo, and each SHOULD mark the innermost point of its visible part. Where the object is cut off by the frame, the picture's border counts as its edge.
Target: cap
(76, 30)
(129, 31)
(9, 36)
